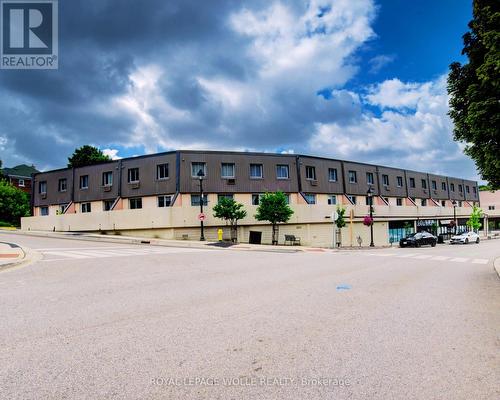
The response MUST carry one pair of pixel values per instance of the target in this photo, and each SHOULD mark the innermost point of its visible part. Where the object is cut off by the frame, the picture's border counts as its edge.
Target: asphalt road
(111, 321)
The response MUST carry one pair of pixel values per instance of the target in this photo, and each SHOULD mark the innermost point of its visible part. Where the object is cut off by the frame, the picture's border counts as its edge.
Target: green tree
(231, 212)
(474, 90)
(14, 204)
(273, 207)
(474, 222)
(340, 221)
(87, 155)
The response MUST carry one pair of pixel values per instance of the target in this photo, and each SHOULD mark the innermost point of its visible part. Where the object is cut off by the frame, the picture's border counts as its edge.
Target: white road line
(64, 254)
(423, 257)
(440, 258)
(83, 248)
(407, 255)
(459, 259)
(480, 261)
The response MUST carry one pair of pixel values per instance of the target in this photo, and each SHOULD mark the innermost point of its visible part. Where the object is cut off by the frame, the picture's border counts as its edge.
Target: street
(94, 320)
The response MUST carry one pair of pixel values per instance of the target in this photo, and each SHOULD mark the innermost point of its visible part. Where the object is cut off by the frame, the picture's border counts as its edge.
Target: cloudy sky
(361, 80)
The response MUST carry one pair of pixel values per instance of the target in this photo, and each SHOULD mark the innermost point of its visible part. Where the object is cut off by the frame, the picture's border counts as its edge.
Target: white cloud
(112, 153)
(380, 61)
(412, 131)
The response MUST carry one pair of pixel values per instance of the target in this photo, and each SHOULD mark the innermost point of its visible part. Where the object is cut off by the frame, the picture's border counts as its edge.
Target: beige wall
(311, 222)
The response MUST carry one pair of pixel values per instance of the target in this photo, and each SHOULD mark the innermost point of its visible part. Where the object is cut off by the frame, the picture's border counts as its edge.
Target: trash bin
(255, 237)
(440, 239)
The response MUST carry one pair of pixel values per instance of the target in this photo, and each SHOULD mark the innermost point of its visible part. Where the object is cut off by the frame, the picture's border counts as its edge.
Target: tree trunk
(234, 232)
(275, 234)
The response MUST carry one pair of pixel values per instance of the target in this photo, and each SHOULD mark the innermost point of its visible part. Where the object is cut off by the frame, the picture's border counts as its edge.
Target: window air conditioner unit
(43, 195)
(314, 183)
(231, 181)
(107, 188)
(135, 185)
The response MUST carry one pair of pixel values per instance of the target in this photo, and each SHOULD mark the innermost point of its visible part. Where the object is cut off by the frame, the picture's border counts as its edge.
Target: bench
(292, 239)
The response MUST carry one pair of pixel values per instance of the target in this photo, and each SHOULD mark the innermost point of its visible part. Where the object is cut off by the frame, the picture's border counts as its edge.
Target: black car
(418, 239)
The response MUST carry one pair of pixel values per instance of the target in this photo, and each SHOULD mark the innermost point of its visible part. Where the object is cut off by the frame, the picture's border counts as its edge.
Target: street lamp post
(201, 174)
(455, 215)
(369, 193)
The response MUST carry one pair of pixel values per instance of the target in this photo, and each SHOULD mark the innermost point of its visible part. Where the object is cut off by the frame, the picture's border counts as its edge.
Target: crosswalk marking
(479, 261)
(440, 258)
(103, 252)
(423, 257)
(459, 259)
(407, 255)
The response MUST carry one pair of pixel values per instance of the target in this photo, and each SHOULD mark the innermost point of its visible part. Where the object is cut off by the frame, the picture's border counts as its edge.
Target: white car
(465, 238)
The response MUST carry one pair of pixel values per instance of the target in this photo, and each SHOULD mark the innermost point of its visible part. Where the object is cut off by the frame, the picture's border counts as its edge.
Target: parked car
(465, 238)
(418, 239)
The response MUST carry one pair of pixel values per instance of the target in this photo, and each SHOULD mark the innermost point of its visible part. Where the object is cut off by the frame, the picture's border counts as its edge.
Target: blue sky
(155, 75)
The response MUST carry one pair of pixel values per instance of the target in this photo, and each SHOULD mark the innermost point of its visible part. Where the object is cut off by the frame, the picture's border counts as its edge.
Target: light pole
(369, 193)
(455, 215)
(201, 174)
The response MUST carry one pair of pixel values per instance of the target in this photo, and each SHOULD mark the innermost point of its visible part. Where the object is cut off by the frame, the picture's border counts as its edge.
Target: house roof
(23, 171)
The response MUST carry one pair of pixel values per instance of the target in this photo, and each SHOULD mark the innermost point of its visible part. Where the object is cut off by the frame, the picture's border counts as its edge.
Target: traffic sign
(201, 217)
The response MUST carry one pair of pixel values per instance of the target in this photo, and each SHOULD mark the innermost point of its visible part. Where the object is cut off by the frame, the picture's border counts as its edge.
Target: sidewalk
(182, 243)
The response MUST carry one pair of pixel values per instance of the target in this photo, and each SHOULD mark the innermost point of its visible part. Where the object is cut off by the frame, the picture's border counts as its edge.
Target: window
(400, 181)
(133, 175)
(467, 189)
(282, 171)
(443, 203)
(256, 171)
(443, 185)
(332, 174)
(399, 201)
(21, 183)
(135, 203)
(412, 183)
(424, 202)
(424, 184)
(256, 199)
(224, 196)
(107, 178)
(369, 178)
(369, 201)
(197, 167)
(227, 170)
(460, 204)
(385, 180)
(86, 207)
(44, 211)
(287, 198)
(195, 200)
(434, 185)
(162, 171)
(474, 190)
(491, 208)
(84, 182)
(310, 198)
(107, 204)
(310, 173)
(42, 187)
(353, 178)
(164, 201)
(460, 188)
(332, 200)
(61, 209)
(62, 185)
(452, 187)
(352, 199)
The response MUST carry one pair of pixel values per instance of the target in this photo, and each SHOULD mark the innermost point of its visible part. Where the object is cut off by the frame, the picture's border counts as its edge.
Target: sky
(361, 80)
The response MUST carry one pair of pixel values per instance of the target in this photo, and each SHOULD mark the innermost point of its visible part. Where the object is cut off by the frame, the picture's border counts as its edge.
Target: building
(20, 176)
(490, 204)
(158, 196)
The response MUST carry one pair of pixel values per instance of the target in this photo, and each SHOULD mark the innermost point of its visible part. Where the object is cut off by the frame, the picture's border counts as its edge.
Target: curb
(496, 266)
(29, 256)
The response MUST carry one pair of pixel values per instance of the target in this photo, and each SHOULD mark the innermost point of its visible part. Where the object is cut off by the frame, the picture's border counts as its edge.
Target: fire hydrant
(219, 234)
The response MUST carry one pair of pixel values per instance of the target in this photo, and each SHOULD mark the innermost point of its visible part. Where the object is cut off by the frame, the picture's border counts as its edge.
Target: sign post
(334, 217)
